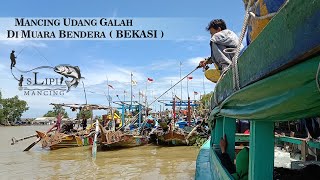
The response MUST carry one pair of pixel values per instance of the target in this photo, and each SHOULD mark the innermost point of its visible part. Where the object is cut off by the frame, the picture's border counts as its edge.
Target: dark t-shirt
(12, 57)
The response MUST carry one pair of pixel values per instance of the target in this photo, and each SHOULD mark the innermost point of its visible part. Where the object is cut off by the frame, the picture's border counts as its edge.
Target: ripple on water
(145, 162)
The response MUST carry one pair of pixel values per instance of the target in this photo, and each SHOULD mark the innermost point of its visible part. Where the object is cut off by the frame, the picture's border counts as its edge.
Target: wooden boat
(175, 137)
(278, 80)
(172, 138)
(168, 134)
(59, 140)
(120, 139)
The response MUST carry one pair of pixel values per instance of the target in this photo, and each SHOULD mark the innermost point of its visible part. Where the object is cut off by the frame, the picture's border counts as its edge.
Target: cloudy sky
(156, 59)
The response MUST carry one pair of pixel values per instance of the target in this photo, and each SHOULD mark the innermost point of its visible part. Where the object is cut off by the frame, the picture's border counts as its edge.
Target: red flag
(195, 93)
(150, 79)
(190, 77)
(110, 86)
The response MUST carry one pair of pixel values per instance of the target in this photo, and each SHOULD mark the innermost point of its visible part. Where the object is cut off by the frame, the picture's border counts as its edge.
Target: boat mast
(111, 110)
(131, 94)
(146, 101)
(181, 86)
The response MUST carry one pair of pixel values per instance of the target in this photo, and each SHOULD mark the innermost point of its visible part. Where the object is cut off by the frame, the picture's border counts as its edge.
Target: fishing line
(41, 54)
(40, 67)
(21, 51)
(14, 75)
(317, 77)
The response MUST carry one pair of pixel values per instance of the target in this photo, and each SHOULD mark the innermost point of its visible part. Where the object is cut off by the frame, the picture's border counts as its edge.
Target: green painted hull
(283, 58)
(278, 82)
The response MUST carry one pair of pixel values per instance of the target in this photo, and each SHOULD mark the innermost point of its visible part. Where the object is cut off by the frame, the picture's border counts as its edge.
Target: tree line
(11, 109)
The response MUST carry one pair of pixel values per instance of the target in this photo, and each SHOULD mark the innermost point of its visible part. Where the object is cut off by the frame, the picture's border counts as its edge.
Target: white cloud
(197, 38)
(195, 61)
(21, 42)
(95, 73)
(115, 13)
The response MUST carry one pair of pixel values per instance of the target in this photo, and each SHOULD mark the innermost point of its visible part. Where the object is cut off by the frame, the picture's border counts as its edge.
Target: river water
(145, 162)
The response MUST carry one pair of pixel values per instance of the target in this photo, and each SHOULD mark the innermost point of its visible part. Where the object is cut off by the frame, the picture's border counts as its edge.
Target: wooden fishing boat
(120, 139)
(275, 79)
(175, 137)
(172, 138)
(168, 134)
(59, 140)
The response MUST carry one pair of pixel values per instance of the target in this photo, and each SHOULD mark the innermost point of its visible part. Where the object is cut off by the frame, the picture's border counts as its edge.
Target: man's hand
(203, 63)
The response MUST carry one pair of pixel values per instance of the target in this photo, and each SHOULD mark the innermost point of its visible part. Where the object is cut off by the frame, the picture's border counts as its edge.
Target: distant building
(50, 120)
(44, 120)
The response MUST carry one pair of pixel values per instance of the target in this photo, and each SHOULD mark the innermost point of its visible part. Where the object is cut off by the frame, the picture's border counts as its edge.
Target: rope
(113, 136)
(236, 83)
(40, 67)
(254, 16)
(234, 65)
(317, 77)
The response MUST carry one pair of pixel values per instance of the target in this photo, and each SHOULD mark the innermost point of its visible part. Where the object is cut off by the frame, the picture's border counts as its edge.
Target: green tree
(12, 109)
(1, 110)
(55, 112)
(206, 100)
(87, 114)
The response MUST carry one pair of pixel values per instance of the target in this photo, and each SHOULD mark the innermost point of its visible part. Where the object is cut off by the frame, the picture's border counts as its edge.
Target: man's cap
(13, 51)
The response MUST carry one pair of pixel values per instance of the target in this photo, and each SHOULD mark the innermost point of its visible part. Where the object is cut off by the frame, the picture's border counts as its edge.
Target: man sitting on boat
(57, 124)
(241, 169)
(221, 39)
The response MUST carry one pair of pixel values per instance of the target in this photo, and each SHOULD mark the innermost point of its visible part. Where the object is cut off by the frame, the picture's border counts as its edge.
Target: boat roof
(83, 106)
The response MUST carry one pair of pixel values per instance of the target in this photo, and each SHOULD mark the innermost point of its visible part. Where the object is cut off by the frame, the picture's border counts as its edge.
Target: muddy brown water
(144, 162)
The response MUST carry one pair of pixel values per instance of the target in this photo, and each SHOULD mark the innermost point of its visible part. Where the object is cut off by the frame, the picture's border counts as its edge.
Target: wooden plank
(313, 144)
(292, 140)
(304, 151)
(261, 153)
(242, 137)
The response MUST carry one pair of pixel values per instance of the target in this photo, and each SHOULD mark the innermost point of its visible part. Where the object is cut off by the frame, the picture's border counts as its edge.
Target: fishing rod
(174, 85)
(85, 94)
(168, 90)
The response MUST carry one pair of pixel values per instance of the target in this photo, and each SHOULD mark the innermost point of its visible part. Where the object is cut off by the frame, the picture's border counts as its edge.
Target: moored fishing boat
(59, 140)
(174, 133)
(124, 136)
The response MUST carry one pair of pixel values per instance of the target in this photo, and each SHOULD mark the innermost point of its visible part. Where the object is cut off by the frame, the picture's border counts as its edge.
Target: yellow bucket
(212, 75)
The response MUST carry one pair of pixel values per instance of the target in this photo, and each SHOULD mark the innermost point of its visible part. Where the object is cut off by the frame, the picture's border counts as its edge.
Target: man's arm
(225, 158)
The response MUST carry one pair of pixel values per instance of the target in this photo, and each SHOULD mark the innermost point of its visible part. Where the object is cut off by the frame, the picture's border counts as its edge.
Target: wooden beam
(304, 151)
(261, 153)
